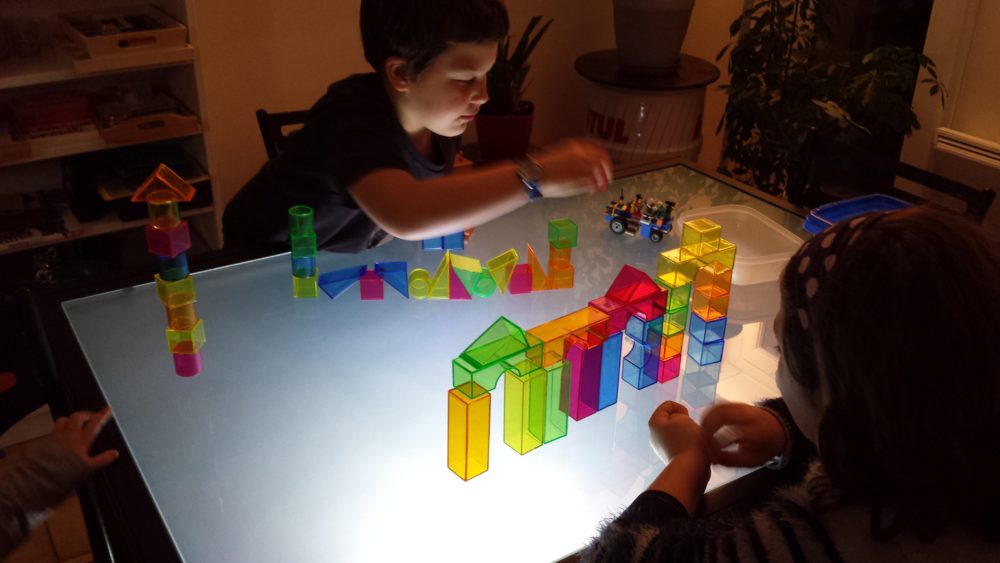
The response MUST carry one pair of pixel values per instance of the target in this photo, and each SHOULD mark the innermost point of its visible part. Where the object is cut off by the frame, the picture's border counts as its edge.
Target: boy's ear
(397, 73)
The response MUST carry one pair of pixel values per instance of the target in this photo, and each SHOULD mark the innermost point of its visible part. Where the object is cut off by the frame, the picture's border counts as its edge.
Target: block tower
(302, 237)
(168, 239)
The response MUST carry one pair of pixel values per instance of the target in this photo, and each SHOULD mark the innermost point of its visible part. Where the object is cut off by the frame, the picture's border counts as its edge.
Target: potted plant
(504, 122)
(787, 77)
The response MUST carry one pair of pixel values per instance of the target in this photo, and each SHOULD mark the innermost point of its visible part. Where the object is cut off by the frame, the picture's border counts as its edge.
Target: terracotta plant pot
(649, 33)
(504, 136)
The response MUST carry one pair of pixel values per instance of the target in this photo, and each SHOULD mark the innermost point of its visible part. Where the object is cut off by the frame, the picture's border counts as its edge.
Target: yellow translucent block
(702, 235)
(468, 434)
(419, 283)
(466, 264)
(186, 341)
(524, 410)
(501, 267)
(710, 305)
(440, 283)
(305, 288)
(539, 280)
(181, 317)
(163, 214)
(677, 267)
(725, 255)
(714, 279)
(552, 336)
(560, 256)
(175, 293)
(562, 276)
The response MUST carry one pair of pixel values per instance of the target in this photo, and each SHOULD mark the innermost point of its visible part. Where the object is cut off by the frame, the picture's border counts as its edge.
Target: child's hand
(756, 433)
(673, 433)
(78, 431)
(574, 167)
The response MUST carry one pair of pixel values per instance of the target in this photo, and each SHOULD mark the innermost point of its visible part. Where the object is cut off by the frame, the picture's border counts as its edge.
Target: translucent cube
(563, 233)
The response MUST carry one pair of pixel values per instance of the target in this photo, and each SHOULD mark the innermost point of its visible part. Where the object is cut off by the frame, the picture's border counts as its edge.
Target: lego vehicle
(650, 218)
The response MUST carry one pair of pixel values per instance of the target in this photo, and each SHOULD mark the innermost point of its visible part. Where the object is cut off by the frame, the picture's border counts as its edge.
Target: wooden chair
(833, 170)
(274, 129)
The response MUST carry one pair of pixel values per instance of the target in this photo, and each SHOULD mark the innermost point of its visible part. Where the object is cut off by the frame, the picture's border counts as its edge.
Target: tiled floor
(62, 538)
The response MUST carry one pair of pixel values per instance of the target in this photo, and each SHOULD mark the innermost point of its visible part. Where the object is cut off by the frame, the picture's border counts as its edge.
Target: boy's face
(447, 95)
(801, 403)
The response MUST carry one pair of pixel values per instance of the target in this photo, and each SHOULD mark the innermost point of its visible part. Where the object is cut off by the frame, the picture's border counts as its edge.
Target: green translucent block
(725, 255)
(175, 293)
(675, 321)
(303, 245)
(300, 220)
(306, 287)
(557, 378)
(501, 340)
(680, 295)
(563, 233)
(485, 285)
(524, 410)
(188, 340)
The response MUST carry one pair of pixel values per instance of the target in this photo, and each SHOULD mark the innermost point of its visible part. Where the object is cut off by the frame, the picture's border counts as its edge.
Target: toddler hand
(78, 431)
(574, 167)
(673, 433)
(757, 434)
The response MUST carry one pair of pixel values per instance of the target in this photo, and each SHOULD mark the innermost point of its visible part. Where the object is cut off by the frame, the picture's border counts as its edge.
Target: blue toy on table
(826, 215)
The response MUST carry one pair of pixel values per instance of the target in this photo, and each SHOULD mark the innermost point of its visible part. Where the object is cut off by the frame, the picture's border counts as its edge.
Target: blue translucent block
(695, 396)
(702, 376)
(304, 267)
(394, 274)
(636, 376)
(705, 354)
(436, 243)
(707, 332)
(338, 281)
(638, 329)
(454, 241)
(172, 269)
(610, 368)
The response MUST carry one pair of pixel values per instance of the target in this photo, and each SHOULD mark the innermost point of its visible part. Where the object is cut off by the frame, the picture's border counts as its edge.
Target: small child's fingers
(79, 418)
(725, 414)
(96, 423)
(102, 460)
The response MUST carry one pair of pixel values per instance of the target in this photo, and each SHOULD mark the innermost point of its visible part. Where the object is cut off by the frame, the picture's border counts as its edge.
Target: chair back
(275, 128)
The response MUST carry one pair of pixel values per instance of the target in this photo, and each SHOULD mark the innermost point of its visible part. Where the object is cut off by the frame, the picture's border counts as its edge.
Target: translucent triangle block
(468, 270)
(457, 289)
(632, 285)
(163, 185)
(441, 280)
(539, 280)
(501, 267)
(338, 281)
(394, 274)
(501, 340)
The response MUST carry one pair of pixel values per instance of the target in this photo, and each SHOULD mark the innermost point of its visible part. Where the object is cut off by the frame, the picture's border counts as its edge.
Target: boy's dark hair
(419, 30)
(903, 340)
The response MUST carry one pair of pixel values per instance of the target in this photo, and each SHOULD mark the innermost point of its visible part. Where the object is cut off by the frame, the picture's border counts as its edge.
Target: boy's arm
(412, 210)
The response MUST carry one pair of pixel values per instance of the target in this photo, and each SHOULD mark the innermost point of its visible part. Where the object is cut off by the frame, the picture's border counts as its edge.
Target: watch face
(530, 170)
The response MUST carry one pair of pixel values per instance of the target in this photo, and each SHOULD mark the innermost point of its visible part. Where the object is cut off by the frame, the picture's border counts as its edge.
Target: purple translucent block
(187, 365)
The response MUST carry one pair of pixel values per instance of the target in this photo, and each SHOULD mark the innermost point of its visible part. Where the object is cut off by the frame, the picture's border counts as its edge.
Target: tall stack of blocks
(302, 238)
(168, 238)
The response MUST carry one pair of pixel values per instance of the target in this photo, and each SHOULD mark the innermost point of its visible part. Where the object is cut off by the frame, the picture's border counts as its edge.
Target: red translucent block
(650, 307)
(168, 242)
(632, 286)
(520, 280)
(372, 286)
(617, 313)
(187, 365)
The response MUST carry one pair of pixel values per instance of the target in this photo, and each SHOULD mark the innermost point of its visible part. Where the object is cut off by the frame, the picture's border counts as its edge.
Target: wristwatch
(530, 174)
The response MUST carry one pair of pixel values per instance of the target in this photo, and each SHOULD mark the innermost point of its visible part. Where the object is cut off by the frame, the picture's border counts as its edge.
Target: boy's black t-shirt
(351, 131)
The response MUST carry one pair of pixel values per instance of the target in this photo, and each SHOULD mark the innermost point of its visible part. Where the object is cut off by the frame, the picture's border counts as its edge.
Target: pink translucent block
(187, 365)
(669, 369)
(168, 242)
(585, 380)
(520, 281)
(456, 289)
(372, 286)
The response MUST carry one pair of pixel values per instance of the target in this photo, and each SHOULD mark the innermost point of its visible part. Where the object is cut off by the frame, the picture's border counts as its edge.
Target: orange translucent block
(539, 280)
(726, 254)
(163, 184)
(588, 318)
(553, 337)
(175, 293)
(701, 236)
(186, 341)
(562, 276)
(710, 305)
(440, 283)
(677, 267)
(419, 283)
(162, 214)
(671, 346)
(181, 317)
(714, 279)
(468, 434)
(501, 267)
(560, 256)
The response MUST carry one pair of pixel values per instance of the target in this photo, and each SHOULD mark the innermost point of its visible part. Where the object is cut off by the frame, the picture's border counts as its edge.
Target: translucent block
(707, 332)
(305, 287)
(524, 410)
(539, 280)
(610, 371)
(697, 397)
(300, 220)
(441, 282)
(669, 369)
(652, 307)
(473, 380)
(187, 365)
(501, 267)
(552, 336)
(675, 321)
(705, 354)
(672, 346)
(638, 329)
(702, 375)
(168, 242)
(562, 276)
(188, 340)
(617, 313)
(587, 318)
(631, 285)
(175, 293)
(560, 256)
(702, 235)
(457, 289)
(563, 233)
(585, 376)
(725, 255)
(304, 267)
(520, 280)
(172, 268)
(635, 375)
(468, 434)
(394, 274)
(677, 267)
(163, 185)
(303, 245)
(500, 341)
(454, 241)
(680, 295)
(710, 305)
(163, 214)
(338, 281)
(485, 285)
(557, 385)
(714, 279)
(372, 286)
(419, 283)
(467, 270)
(435, 243)
(181, 317)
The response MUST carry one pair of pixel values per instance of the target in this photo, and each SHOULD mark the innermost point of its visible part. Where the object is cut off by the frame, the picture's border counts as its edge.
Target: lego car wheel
(617, 226)
(656, 236)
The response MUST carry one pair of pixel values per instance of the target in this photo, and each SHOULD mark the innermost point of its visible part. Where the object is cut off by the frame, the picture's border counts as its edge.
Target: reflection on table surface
(318, 427)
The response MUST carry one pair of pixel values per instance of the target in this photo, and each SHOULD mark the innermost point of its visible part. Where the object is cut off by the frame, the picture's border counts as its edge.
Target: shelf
(57, 65)
(110, 223)
(88, 140)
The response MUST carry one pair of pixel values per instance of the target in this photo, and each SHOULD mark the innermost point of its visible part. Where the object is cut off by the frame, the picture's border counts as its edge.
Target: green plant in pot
(787, 77)
(503, 124)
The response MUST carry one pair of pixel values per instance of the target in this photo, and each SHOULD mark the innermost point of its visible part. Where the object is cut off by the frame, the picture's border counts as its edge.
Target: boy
(375, 153)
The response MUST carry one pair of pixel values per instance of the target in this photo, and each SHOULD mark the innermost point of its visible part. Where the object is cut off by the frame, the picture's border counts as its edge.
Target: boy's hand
(78, 431)
(756, 433)
(574, 167)
(673, 433)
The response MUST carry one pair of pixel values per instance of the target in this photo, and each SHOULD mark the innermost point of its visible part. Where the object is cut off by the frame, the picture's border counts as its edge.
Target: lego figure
(635, 206)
